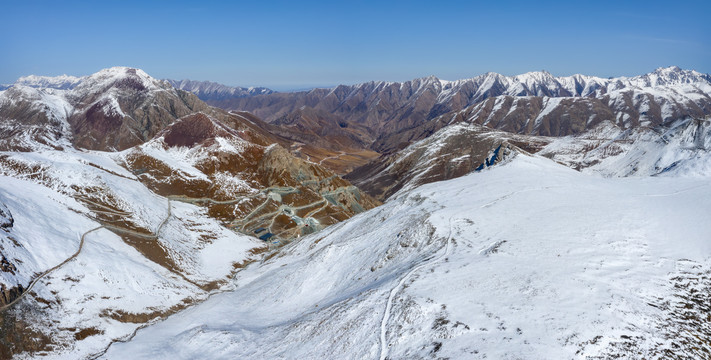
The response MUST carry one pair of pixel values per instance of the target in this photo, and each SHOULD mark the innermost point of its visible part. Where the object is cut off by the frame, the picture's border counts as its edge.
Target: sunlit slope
(526, 260)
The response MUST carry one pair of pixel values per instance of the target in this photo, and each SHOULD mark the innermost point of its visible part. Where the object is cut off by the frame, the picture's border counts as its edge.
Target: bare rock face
(192, 130)
(6, 220)
(322, 129)
(7, 295)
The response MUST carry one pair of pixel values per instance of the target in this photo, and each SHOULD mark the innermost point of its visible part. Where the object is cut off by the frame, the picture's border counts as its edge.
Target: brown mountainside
(534, 103)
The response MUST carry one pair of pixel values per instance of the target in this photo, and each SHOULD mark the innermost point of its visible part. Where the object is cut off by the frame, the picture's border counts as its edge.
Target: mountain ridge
(388, 108)
(124, 200)
(145, 198)
(213, 91)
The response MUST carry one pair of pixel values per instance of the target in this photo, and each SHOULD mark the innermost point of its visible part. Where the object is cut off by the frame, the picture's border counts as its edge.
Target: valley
(527, 216)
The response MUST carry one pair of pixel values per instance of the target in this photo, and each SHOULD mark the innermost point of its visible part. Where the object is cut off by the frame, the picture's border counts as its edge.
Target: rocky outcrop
(6, 220)
(8, 295)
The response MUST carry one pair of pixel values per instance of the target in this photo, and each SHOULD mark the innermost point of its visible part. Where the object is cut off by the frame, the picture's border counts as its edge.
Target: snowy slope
(98, 254)
(525, 260)
(679, 149)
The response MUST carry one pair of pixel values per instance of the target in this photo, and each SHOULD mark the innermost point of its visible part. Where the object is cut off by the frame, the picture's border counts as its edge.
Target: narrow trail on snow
(49, 271)
(81, 247)
(384, 347)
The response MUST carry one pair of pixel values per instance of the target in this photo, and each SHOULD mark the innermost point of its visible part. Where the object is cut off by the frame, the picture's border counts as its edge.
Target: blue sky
(299, 44)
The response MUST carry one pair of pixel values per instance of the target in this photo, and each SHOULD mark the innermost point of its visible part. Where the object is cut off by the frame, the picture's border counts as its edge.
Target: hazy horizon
(291, 46)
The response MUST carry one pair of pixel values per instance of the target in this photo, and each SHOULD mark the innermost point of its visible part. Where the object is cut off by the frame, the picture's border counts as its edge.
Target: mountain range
(212, 92)
(127, 171)
(527, 216)
(536, 103)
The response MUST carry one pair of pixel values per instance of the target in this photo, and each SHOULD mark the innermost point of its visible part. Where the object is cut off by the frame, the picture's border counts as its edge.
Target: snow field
(545, 263)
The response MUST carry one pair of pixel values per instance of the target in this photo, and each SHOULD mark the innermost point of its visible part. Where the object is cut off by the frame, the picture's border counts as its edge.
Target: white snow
(108, 276)
(549, 104)
(543, 260)
(525, 260)
(41, 241)
(61, 82)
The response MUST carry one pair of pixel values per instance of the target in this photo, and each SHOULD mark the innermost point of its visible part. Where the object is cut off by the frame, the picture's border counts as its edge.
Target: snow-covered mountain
(683, 148)
(525, 260)
(679, 148)
(95, 244)
(454, 151)
(62, 82)
(113, 109)
(211, 91)
(130, 213)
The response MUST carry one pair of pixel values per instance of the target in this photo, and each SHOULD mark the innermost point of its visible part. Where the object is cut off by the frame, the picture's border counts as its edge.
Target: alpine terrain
(496, 217)
(124, 200)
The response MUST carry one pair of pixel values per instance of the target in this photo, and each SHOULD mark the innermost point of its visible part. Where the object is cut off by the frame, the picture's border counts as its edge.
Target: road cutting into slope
(332, 157)
(49, 271)
(81, 247)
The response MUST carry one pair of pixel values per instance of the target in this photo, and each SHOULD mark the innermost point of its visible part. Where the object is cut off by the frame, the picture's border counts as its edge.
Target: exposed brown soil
(142, 318)
(281, 178)
(18, 336)
(190, 130)
(85, 333)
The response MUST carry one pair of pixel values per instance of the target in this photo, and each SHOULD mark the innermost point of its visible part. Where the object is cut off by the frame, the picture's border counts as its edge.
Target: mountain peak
(534, 77)
(672, 68)
(430, 78)
(121, 77)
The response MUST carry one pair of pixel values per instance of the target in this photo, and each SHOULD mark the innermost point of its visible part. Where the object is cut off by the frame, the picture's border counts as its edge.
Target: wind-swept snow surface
(526, 260)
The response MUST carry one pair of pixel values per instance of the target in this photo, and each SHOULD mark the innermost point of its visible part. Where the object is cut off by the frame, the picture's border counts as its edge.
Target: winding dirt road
(81, 246)
(49, 271)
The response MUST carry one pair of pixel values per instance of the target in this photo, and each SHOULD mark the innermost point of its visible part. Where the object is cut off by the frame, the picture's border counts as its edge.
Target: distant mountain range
(205, 90)
(210, 91)
(62, 82)
(535, 103)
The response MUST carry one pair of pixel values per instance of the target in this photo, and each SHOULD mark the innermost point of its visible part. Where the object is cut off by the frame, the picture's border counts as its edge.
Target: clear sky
(298, 44)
